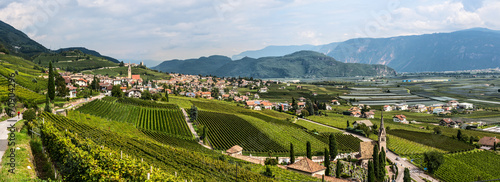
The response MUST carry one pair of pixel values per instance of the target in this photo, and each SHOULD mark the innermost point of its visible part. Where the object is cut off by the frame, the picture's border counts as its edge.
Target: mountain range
(301, 64)
(476, 48)
(19, 44)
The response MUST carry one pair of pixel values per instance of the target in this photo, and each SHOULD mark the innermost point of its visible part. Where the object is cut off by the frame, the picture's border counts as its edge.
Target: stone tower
(382, 142)
(129, 71)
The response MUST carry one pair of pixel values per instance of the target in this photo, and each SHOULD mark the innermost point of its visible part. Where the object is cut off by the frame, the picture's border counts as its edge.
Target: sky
(158, 30)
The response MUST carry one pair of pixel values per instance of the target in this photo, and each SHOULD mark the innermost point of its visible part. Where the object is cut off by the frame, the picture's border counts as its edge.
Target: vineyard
(21, 93)
(345, 142)
(164, 120)
(188, 164)
(25, 79)
(79, 159)
(470, 166)
(146, 103)
(432, 140)
(406, 147)
(227, 130)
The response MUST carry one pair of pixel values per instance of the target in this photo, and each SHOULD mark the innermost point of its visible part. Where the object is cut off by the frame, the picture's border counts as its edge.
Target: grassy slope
(74, 60)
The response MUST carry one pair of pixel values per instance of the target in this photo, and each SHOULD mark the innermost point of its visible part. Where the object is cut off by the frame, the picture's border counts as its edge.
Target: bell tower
(382, 142)
(129, 71)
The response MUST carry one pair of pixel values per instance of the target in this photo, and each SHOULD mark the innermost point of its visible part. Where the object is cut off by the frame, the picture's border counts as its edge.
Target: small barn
(235, 150)
(308, 167)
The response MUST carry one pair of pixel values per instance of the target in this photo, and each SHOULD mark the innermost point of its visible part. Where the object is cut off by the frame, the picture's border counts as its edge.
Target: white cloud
(168, 29)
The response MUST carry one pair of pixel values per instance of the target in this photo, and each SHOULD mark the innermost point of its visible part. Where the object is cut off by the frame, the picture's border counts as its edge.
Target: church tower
(382, 142)
(129, 71)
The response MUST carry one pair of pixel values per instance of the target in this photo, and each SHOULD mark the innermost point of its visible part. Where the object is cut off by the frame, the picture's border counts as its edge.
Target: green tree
(292, 154)
(432, 160)
(47, 104)
(371, 172)
(61, 88)
(121, 64)
(51, 87)
(308, 150)
(116, 91)
(332, 144)
(29, 115)
(304, 113)
(268, 172)
(459, 134)
(338, 170)
(381, 170)
(495, 146)
(146, 95)
(437, 130)
(193, 113)
(376, 161)
(348, 123)
(407, 177)
(327, 163)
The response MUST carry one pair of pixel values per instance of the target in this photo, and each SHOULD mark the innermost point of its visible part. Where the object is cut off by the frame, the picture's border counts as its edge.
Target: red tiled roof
(489, 141)
(307, 165)
(136, 77)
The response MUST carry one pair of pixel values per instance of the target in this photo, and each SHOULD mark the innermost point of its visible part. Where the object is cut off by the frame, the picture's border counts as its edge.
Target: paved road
(415, 172)
(4, 134)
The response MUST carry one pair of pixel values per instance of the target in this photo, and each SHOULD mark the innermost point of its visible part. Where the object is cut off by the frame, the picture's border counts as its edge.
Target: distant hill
(203, 65)
(305, 64)
(87, 51)
(275, 51)
(74, 60)
(476, 48)
(18, 43)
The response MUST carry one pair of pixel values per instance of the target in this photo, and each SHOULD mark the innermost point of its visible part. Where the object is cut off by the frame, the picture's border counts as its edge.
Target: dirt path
(191, 128)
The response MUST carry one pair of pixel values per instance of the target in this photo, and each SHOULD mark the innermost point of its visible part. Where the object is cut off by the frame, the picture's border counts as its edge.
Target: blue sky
(158, 30)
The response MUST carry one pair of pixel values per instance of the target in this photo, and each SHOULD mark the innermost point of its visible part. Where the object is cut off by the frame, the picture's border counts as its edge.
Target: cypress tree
(333, 147)
(308, 150)
(495, 146)
(371, 175)
(47, 104)
(327, 163)
(407, 177)
(338, 170)
(347, 123)
(292, 154)
(381, 171)
(459, 134)
(376, 161)
(51, 87)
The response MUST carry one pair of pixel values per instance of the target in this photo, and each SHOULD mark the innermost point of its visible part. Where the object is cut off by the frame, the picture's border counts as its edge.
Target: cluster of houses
(432, 109)
(185, 85)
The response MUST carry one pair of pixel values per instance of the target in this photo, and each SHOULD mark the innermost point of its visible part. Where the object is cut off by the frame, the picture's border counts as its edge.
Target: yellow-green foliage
(406, 147)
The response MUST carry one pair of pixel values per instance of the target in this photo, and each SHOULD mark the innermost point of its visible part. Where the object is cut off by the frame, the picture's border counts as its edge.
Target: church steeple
(129, 71)
(382, 133)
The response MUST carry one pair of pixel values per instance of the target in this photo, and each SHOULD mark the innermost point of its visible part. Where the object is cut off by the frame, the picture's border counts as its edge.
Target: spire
(381, 121)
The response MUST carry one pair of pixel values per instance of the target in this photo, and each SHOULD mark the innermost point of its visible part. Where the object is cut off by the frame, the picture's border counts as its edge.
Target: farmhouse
(72, 91)
(464, 105)
(135, 93)
(387, 108)
(235, 150)
(81, 82)
(263, 90)
(301, 105)
(488, 142)
(369, 115)
(308, 167)
(355, 114)
(401, 106)
(447, 122)
(399, 118)
(335, 102)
